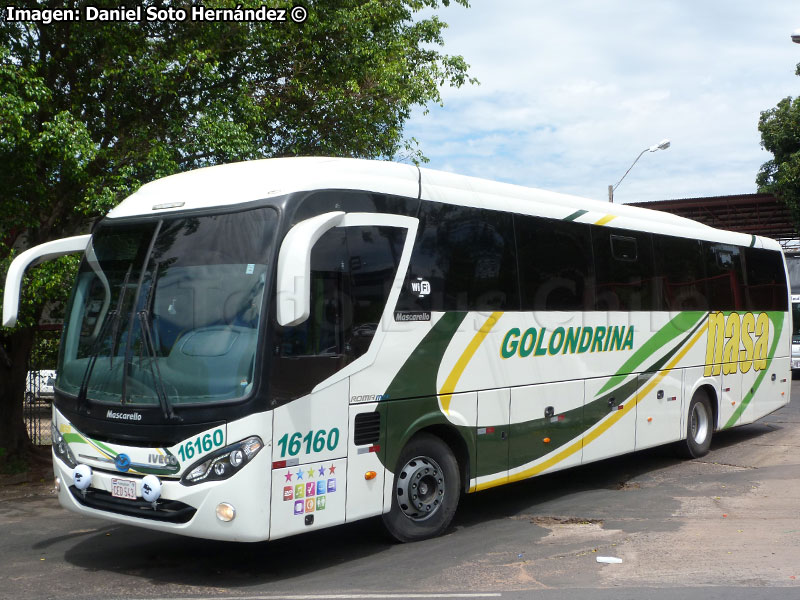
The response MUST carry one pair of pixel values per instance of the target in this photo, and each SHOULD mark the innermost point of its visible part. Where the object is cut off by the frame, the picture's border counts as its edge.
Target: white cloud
(571, 92)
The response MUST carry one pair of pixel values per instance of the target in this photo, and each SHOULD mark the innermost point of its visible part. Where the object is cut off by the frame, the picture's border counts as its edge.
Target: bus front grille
(170, 511)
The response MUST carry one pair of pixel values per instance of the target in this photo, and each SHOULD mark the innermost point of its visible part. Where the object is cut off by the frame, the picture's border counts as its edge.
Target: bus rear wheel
(426, 490)
(699, 427)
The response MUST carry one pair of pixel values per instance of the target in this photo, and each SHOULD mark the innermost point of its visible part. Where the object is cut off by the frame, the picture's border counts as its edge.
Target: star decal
(311, 473)
(322, 471)
(299, 474)
(332, 469)
(288, 476)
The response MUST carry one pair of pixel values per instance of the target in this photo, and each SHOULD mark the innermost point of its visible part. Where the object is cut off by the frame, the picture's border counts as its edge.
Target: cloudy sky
(570, 93)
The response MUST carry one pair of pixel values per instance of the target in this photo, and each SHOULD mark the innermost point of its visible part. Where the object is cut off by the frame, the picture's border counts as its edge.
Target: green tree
(90, 111)
(780, 135)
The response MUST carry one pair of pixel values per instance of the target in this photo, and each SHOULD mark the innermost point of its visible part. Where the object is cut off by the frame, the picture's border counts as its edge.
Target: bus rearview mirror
(294, 267)
(37, 254)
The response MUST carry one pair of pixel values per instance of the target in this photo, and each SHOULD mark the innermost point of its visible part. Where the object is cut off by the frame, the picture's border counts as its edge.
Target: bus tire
(426, 490)
(699, 427)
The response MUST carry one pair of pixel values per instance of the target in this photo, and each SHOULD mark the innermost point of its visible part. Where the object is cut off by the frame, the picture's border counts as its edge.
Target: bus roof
(242, 182)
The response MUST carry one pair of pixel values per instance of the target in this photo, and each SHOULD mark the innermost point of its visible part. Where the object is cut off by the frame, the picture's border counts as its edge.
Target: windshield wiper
(149, 344)
(112, 318)
(117, 312)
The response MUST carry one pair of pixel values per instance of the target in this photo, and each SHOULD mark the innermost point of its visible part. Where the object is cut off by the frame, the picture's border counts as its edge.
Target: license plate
(123, 488)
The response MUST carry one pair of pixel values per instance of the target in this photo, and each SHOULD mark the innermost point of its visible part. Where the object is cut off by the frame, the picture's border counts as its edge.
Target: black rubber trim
(169, 511)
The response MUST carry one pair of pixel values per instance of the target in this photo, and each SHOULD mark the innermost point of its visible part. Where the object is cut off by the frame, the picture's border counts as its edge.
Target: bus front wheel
(699, 427)
(426, 490)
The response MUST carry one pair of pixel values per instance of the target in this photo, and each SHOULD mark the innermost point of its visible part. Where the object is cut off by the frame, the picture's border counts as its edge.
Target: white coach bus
(259, 349)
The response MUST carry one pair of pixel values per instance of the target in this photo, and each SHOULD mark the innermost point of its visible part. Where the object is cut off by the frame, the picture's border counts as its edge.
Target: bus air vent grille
(367, 428)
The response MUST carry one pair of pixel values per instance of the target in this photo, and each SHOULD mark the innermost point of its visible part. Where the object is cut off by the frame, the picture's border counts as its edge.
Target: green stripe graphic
(575, 215)
(682, 323)
(777, 321)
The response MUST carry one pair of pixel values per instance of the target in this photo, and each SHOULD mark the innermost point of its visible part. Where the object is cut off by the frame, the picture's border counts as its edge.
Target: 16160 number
(201, 444)
(314, 441)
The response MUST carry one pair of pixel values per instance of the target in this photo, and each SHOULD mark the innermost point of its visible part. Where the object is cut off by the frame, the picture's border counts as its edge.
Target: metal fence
(37, 405)
(38, 396)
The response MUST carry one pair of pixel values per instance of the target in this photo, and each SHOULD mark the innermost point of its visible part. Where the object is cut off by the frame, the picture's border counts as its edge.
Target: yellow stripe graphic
(446, 393)
(98, 448)
(606, 219)
(603, 427)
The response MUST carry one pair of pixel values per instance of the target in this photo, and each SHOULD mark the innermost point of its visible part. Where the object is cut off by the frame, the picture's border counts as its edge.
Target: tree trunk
(14, 353)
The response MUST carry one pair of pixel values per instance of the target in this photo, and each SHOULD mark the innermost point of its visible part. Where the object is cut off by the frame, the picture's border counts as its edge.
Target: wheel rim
(699, 423)
(420, 488)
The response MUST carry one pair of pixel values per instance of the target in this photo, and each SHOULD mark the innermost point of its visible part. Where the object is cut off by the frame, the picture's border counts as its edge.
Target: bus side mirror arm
(294, 267)
(37, 254)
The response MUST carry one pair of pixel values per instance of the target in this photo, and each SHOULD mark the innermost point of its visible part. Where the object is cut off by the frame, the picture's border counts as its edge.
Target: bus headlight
(61, 448)
(223, 463)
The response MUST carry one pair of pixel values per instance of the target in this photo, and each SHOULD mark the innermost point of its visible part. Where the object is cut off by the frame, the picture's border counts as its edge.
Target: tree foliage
(90, 111)
(780, 135)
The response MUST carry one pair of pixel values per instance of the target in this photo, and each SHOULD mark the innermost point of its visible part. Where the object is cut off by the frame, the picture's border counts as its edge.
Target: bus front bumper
(186, 510)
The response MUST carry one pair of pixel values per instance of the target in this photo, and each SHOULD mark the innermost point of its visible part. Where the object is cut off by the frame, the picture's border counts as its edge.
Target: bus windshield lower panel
(167, 313)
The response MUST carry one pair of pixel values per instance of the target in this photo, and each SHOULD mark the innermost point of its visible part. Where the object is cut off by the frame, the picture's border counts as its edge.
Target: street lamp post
(662, 145)
(796, 36)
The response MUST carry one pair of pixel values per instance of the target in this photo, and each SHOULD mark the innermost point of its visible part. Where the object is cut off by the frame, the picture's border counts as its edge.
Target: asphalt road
(725, 526)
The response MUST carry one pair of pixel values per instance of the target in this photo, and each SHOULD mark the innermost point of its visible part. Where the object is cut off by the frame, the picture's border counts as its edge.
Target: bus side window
(680, 273)
(624, 270)
(555, 263)
(765, 285)
(463, 259)
(305, 354)
(352, 271)
(373, 256)
(725, 276)
(320, 334)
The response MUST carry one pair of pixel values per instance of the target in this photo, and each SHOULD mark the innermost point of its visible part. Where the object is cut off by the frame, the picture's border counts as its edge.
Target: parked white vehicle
(795, 332)
(40, 386)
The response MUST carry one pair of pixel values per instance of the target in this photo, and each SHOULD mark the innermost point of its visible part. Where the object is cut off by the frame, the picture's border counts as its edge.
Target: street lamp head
(796, 36)
(662, 145)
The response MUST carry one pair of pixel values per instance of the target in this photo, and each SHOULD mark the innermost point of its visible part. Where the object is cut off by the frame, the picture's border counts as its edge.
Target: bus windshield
(167, 312)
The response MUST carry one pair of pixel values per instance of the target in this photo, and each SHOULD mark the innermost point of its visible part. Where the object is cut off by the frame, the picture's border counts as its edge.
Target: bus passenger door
(610, 417)
(309, 446)
(310, 427)
(339, 276)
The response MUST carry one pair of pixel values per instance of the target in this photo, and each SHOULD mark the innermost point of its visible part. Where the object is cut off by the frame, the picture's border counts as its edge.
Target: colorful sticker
(311, 496)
